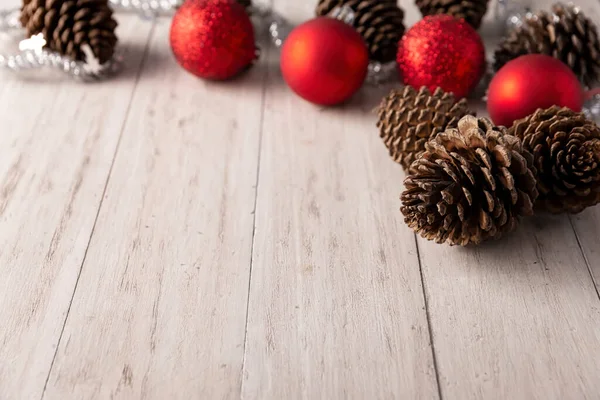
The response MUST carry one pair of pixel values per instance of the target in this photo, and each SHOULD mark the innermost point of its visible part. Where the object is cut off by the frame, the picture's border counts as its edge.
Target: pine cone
(566, 150)
(68, 25)
(565, 34)
(471, 10)
(378, 21)
(471, 185)
(408, 119)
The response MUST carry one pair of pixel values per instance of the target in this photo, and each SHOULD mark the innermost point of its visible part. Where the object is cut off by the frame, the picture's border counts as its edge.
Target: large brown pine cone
(68, 25)
(566, 150)
(472, 11)
(408, 119)
(565, 33)
(378, 21)
(471, 185)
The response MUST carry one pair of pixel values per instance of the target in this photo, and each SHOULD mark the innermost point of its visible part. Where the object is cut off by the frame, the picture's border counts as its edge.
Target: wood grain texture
(516, 319)
(336, 305)
(57, 145)
(343, 300)
(159, 312)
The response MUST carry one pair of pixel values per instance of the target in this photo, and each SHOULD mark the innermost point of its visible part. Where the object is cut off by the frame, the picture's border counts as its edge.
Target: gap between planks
(117, 147)
(265, 80)
(428, 316)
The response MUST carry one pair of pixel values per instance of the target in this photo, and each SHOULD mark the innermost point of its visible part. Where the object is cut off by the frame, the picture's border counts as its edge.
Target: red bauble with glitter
(324, 61)
(441, 51)
(530, 82)
(213, 39)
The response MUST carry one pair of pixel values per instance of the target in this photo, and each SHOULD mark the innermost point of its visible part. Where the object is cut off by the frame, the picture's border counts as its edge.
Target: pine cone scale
(566, 147)
(407, 119)
(452, 196)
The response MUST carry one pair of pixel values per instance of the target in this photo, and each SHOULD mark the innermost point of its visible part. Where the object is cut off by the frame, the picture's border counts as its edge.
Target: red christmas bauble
(442, 51)
(324, 61)
(213, 39)
(530, 82)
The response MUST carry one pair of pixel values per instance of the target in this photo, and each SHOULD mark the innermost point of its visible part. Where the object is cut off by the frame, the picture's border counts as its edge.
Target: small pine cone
(378, 21)
(408, 119)
(566, 151)
(471, 185)
(471, 11)
(68, 25)
(565, 34)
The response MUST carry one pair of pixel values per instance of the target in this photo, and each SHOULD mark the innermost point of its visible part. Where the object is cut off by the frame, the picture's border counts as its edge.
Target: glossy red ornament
(442, 51)
(530, 82)
(213, 39)
(324, 61)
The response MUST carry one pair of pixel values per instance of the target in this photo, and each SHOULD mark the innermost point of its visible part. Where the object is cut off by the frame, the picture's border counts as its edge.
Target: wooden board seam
(428, 316)
(108, 176)
(265, 80)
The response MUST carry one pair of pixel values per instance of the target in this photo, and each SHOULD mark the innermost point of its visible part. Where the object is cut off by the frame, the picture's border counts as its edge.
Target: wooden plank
(519, 318)
(58, 141)
(160, 308)
(336, 304)
(516, 319)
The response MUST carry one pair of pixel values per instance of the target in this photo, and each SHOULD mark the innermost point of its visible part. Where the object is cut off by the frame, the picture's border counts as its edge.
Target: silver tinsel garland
(147, 8)
(9, 20)
(31, 59)
(33, 55)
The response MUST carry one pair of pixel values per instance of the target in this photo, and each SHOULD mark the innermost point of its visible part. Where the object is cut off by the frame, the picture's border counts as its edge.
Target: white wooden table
(162, 237)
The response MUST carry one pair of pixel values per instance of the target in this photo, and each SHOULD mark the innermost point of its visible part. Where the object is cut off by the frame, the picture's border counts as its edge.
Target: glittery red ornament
(324, 61)
(442, 51)
(530, 82)
(213, 39)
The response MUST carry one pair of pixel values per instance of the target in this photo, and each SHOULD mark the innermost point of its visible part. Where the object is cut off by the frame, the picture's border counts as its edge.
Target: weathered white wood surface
(336, 305)
(160, 308)
(57, 144)
(187, 292)
(515, 319)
